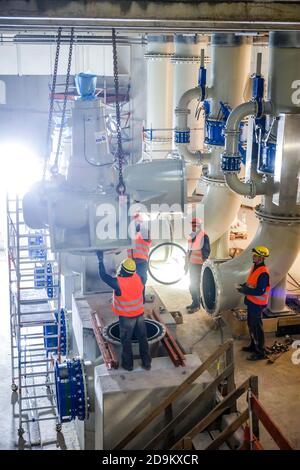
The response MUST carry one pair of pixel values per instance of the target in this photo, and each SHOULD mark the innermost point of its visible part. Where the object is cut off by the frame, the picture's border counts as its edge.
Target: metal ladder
(31, 310)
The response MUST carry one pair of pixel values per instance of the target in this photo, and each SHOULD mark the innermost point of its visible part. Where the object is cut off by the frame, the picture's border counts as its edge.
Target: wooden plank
(169, 418)
(293, 320)
(230, 380)
(208, 390)
(269, 424)
(188, 444)
(216, 412)
(215, 433)
(255, 420)
(175, 394)
(170, 337)
(228, 431)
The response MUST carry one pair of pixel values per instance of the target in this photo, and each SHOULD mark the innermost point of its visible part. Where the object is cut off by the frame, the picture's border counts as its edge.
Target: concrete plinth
(123, 399)
(83, 339)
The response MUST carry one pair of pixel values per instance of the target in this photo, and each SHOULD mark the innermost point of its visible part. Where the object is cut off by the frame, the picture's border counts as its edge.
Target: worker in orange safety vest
(198, 252)
(128, 304)
(256, 290)
(141, 250)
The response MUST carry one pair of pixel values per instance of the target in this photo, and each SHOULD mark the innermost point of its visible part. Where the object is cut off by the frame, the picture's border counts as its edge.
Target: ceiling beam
(141, 15)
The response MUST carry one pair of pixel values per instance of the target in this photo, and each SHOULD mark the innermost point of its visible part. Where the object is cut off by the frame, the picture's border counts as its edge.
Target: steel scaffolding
(34, 297)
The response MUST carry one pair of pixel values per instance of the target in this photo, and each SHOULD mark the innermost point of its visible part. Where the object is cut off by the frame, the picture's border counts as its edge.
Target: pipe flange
(231, 132)
(212, 265)
(159, 140)
(230, 163)
(155, 332)
(182, 111)
(182, 136)
(154, 56)
(277, 219)
(186, 60)
(252, 189)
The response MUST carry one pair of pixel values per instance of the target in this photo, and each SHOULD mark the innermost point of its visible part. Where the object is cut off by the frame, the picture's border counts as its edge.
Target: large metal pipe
(279, 213)
(186, 61)
(220, 279)
(158, 138)
(231, 54)
(279, 228)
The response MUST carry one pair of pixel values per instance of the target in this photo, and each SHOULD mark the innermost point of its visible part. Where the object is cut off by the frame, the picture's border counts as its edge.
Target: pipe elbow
(239, 113)
(185, 100)
(249, 188)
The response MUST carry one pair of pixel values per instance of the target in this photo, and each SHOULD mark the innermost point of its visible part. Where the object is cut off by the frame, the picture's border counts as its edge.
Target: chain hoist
(51, 104)
(54, 168)
(121, 185)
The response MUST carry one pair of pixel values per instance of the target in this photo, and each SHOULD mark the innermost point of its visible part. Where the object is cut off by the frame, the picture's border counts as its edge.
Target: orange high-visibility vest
(252, 282)
(195, 247)
(130, 303)
(141, 249)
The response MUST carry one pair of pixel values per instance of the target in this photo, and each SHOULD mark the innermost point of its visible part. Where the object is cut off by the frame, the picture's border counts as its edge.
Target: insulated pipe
(181, 123)
(220, 207)
(253, 187)
(159, 95)
(231, 54)
(219, 279)
(279, 229)
(186, 61)
(277, 297)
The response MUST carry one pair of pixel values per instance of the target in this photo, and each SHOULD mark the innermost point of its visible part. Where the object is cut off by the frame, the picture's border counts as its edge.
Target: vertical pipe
(186, 62)
(159, 96)
(277, 297)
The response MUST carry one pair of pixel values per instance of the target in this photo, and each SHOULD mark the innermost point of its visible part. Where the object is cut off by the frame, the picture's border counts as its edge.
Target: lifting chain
(53, 87)
(121, 185)
(54, 168)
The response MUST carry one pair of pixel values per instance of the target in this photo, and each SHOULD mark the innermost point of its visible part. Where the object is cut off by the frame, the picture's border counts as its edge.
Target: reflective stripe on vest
(252, 282)
(195, 248)
(141, 248)
(130, 302)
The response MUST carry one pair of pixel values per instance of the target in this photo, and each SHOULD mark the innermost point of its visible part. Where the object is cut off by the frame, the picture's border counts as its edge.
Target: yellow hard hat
(261, 251)
(129, 265)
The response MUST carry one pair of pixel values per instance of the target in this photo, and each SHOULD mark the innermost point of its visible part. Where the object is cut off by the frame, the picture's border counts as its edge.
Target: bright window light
(20, 167)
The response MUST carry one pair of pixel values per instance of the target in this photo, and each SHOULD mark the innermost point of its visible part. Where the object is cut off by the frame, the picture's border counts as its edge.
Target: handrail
(269, 424)
(226, 403)
(208, 390)
(175, 394)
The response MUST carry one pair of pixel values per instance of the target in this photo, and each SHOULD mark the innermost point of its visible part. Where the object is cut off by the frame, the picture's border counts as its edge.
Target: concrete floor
(279, 383)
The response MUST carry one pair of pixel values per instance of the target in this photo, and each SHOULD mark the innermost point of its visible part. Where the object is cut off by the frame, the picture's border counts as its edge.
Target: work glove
(240, 288)
(99, 254)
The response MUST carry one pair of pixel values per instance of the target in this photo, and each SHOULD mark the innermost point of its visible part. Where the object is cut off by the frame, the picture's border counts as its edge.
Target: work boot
(249, 348)
(188, 307)
(194, 309)
(256, 357)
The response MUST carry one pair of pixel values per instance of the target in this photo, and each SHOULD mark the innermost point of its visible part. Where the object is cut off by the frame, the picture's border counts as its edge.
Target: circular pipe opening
(155, 332)
(208, 290)
(178, 258)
